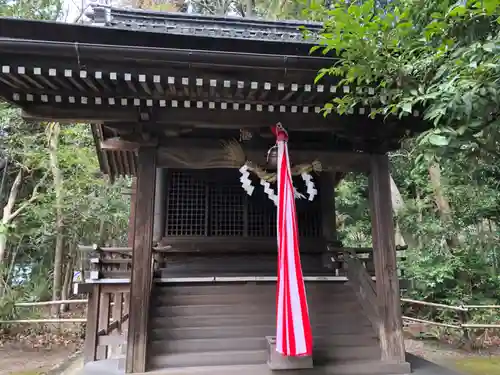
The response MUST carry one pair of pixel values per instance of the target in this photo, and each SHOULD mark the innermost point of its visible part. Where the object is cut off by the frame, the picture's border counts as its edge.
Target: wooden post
(141, 279)
(327, 192)
(329, 221)
(102, 351)
(384, 249)
(159, 215)
(131, 219)
(89, 352)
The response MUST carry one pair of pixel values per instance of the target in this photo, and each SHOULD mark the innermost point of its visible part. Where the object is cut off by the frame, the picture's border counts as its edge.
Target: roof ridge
(193, 24)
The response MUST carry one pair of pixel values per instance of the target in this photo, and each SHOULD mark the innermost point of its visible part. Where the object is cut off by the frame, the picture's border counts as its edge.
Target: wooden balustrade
(107, 321)
(363, 286)
(116, 262)
(113, 262)
(339, 260)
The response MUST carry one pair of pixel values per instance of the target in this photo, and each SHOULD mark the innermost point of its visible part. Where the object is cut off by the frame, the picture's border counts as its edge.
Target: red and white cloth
(293, 328)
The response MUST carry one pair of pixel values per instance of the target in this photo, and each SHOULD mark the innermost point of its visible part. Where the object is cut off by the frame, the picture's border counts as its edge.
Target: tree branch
(11, 201)
(33, 198)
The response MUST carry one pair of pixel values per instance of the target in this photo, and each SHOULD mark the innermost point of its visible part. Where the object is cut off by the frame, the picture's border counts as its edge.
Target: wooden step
(246, 308)
(269, 297)
(318, 288)
(335, 343)
(341, 368)
(222, 358)
(207, 345)
(364, 352)
(188, 333)
(329, 319)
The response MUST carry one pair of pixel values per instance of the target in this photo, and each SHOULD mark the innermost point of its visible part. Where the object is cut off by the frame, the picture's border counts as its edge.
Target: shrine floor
(110, 367)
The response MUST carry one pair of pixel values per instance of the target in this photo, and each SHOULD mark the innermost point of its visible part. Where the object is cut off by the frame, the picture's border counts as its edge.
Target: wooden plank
(126, 310)
(142, 276)
(225, 245)
(384, 249)
(90, 346)
(117, 312)
(111, 340)
(116, 287)
(117, 316)
(103, 322)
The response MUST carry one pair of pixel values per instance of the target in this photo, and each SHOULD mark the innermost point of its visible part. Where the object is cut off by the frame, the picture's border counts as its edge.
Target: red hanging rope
(293, 328)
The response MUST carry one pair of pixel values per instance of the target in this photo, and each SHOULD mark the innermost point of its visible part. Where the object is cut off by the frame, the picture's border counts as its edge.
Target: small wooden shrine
(184, 103)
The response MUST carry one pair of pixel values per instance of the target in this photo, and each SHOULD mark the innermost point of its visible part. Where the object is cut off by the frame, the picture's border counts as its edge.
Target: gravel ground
(18, 360)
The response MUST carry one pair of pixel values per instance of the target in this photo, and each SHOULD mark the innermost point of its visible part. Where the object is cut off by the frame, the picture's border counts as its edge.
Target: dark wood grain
(90, 346)
(141, 279)
(327, 188)
(131, 220)
(384, 250)
(103, 322)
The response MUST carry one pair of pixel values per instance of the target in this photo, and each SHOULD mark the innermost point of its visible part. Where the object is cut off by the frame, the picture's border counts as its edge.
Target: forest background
(438, 57)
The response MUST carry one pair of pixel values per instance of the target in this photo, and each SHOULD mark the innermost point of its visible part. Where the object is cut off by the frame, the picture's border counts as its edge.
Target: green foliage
(31, 9)
(437, 57)
(89, 202)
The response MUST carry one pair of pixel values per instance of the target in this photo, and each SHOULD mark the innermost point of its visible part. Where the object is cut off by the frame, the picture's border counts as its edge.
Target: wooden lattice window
(212, 203)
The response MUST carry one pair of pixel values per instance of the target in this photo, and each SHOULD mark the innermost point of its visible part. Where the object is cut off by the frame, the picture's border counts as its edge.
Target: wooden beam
(219, 118)
(142, 276)
(384, 250)
(122, 144)
(182, 156)
(214, 245)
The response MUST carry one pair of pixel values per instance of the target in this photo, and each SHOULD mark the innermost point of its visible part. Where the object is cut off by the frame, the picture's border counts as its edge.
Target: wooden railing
(107, 321)
(339, 260)
(363, 286)
(113, 262)
(462, 321)
(116, 262)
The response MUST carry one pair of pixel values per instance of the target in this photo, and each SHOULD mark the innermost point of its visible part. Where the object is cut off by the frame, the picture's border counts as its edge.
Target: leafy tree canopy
(439, 57)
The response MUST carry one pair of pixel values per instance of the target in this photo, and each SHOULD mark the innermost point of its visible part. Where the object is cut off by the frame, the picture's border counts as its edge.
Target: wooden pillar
(102, 352)
(142, 275)
(384, 249)
(327, 193)
(90, 346)
(159, 215)
(131, 218)
(117, 314)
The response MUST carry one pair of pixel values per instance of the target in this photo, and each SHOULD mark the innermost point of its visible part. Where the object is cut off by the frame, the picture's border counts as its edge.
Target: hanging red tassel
(293, 327)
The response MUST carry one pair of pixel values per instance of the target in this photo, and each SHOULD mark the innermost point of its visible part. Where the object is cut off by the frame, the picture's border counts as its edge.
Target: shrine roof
(290, 31)
(169, 75)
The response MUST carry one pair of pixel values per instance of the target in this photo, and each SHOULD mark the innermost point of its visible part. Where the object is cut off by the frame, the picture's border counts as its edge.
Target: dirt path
(484, 362)
(34, 355)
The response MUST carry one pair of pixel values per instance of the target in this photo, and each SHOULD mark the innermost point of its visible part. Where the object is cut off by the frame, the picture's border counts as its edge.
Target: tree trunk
(442, 202)
(102, 233)
(54, 133)
(249, 8)
(7, 214)
(66, 288)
